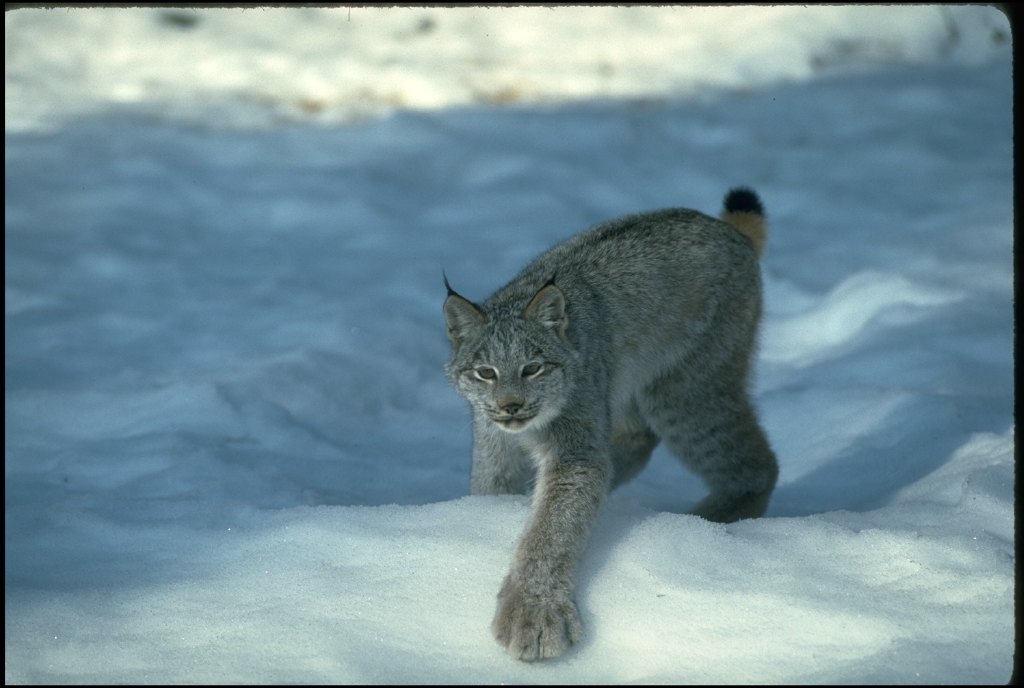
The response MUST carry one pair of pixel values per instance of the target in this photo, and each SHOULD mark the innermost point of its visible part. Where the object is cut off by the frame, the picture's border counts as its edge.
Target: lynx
(638, 330)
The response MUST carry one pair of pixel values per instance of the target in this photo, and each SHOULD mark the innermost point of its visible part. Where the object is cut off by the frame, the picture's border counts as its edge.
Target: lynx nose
(511, 407)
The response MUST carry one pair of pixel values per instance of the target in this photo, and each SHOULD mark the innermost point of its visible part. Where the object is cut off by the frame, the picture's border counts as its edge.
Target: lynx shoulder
(637, 331)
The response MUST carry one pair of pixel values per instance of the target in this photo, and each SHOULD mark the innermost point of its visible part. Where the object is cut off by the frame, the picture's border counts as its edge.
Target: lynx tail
(743, 210)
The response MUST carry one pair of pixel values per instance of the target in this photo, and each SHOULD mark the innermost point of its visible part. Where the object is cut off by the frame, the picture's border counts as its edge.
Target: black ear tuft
(446, 285)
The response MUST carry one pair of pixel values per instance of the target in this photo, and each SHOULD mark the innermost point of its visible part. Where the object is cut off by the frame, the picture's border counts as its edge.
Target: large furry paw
(729, 508)
(534, 626)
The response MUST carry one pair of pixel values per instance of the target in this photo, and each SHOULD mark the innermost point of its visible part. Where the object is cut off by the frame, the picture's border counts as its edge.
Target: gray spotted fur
(638, 330)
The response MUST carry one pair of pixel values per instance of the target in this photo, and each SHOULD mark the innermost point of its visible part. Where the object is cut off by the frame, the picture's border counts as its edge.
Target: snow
(230, 452)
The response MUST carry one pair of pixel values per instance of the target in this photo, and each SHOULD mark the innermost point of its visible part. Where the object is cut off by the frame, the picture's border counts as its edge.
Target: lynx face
(511, 367)
(514, 387)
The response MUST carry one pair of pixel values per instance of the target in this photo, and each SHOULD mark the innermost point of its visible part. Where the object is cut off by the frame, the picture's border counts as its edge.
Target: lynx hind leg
(720, 440)
(632, 443)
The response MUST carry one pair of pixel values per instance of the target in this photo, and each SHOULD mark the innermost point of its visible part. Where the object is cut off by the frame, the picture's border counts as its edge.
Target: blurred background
(259, 66)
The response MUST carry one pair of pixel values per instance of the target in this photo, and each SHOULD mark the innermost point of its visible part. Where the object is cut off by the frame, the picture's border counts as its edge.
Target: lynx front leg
(632, 444)
(537, 616)
(500, 464)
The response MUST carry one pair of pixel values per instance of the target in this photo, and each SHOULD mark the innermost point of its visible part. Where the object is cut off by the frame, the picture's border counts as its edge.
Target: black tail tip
(743, 200)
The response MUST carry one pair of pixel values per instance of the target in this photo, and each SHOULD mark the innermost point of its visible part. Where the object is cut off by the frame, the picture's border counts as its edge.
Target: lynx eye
(485, 373)
(531, 369)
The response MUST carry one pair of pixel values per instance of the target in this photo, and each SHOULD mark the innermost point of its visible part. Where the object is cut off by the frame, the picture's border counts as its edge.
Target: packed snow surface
(231, 455)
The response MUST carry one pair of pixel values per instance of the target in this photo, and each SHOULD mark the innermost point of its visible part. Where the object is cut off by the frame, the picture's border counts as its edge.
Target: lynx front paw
(535, 626)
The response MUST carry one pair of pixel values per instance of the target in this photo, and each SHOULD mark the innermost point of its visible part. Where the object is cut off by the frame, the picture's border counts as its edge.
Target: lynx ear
(548, 308)
(461, 315)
